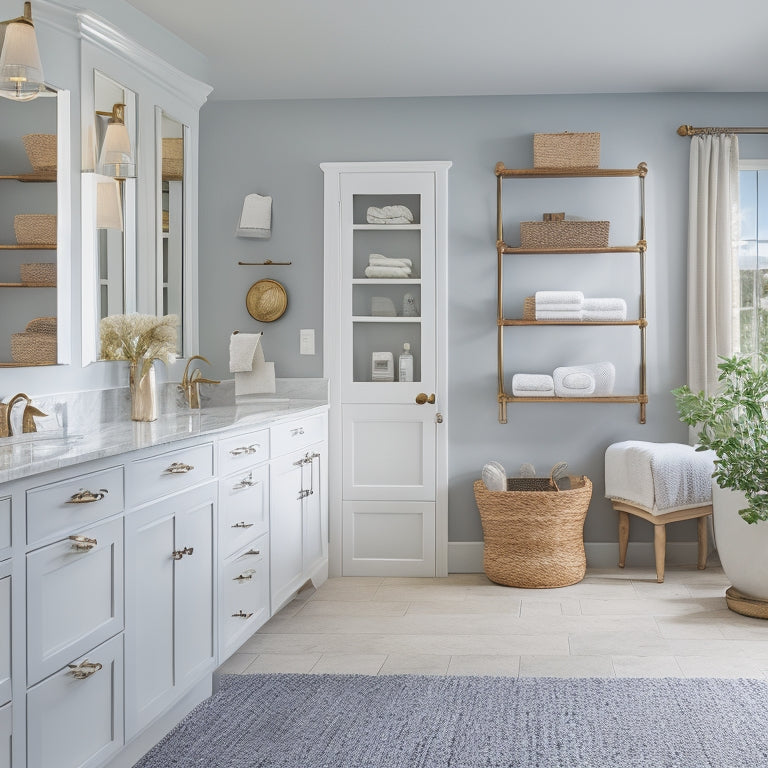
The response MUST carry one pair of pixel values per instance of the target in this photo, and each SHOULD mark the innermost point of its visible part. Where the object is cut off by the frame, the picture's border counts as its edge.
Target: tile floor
(615, 623)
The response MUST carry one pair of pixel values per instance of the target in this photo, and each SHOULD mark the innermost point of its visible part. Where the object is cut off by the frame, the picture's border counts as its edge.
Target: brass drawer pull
(84, 669)
(245, 575)
(241, 615)
(179, 468)
(179, 553)
(246, 482)
(252, 552)
(83, 543)
(243, 524)
(245, 450)
(87, 497)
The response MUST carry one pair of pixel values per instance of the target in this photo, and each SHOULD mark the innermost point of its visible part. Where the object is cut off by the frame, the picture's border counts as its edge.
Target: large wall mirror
(34, 231)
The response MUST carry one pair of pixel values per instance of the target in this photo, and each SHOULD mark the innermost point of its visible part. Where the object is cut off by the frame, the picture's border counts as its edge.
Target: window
(753, 257)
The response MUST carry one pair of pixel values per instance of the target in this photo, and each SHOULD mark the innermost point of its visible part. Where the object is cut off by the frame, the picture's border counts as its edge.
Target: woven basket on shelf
(566, 150)
(42, 325)
(41, 273)
(529, 308)
(35, 228)
(564, 234)
(41, 150)
(33, 348)
(173, 159)
(534, 539)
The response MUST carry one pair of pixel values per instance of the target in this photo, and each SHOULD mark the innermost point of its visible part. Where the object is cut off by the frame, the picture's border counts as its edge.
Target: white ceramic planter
(743, 548)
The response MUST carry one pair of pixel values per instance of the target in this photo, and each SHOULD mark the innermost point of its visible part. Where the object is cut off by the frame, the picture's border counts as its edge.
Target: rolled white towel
(559, 297)
(389, 214)
(532, 385)
(377, 271)
(379, 260)
(569, 314)
(573, 381)
(604, 305)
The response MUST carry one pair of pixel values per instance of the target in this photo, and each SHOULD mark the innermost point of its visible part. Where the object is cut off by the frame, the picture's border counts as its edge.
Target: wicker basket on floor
(534, 539)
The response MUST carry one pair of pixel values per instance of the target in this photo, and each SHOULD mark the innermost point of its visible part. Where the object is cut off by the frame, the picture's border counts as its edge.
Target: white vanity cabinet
(298, 507)
(6, 729)
(5, 634)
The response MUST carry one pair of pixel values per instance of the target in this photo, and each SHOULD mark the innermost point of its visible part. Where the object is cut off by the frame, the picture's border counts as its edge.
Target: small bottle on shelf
(405, 364)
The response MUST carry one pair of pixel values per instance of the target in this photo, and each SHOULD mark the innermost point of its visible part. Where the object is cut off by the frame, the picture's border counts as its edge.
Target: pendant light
(21, 71)
(116, 157)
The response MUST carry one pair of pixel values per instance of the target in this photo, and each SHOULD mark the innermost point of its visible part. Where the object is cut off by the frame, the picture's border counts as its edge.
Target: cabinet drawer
(74, 597)
(77, 722)
(5, 638)
(6, 728)
(244, 596)
(5, 527)
(243, 451)
(166, 473)
(54, 510)
(243, 508)
(294, 435)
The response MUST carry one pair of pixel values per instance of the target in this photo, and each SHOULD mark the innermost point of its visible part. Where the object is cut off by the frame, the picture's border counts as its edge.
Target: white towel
(559, 297)
(256, 218)
(242, 349)
(389, 214)
(543, 314)
(607, 315)
(604, 374)
(558, 308)
(573, 381)
(659, 477)
(604, 305)
(378, 260)
(532, 385)
(387, 271)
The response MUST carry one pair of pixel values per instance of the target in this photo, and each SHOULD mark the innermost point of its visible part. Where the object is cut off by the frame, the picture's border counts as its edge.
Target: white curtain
(713, 271)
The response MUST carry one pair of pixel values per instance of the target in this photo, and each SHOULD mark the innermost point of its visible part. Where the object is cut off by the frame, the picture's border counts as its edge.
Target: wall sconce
(21, 71)
(116, 157)
(109, 206)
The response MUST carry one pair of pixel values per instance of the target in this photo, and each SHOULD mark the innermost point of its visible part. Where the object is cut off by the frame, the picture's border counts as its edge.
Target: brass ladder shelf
(503, 249)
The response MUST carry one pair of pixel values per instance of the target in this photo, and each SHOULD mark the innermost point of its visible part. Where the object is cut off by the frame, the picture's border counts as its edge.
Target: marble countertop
(54, 448)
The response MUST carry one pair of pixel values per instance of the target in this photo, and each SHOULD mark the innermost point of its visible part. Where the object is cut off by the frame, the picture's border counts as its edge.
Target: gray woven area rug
(408, 721)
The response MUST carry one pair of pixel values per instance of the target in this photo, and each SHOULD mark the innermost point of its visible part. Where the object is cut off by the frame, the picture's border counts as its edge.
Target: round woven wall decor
(266, 300)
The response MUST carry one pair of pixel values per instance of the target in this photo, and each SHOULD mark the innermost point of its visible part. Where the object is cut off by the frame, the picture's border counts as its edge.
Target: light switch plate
(307, 341)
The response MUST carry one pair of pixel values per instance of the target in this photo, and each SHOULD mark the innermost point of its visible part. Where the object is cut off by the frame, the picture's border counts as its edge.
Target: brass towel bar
(689, 130)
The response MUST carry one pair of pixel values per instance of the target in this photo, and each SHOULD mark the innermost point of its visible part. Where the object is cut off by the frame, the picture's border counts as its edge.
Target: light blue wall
(275, 147)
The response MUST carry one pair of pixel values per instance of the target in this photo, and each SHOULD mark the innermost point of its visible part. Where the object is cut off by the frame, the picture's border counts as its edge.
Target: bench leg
(623, 536)
(702, 529)
(660, 547)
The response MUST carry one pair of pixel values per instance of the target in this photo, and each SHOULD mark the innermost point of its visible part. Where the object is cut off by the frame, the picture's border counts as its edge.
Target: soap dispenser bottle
(405, 364)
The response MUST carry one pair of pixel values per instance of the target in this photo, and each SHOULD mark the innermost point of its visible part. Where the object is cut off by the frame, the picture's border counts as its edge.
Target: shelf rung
(608, 249)
(27, 285)
(587, 399)
(509, 322)
(565, 173)
(32, 247)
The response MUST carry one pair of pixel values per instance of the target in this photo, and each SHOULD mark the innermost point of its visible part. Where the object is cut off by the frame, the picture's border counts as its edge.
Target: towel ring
(266, 300)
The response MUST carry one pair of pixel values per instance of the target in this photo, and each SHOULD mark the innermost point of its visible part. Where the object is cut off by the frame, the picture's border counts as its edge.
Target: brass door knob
(422, 398)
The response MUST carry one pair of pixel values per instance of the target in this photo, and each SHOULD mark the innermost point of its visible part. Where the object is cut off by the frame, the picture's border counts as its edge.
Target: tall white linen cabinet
(387, 437)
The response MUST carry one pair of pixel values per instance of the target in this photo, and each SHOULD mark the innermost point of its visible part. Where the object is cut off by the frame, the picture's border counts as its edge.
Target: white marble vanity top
(57, 446)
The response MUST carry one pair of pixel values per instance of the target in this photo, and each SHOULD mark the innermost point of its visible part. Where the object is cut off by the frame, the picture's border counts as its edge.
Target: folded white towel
(389, 214)
(242, 348)
(604, 305)
(559, 297)
(608, 316)
(558, 308)
(573, 381)
(378, 260)
(377, 271)
(542, 314)
(256, 218)
(532, 382)
(604, 374)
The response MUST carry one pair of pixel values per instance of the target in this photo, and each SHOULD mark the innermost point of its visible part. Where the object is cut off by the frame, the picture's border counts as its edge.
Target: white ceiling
(264, 49)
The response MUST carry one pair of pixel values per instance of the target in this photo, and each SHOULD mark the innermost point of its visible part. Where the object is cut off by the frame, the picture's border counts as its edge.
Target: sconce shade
(21, 71)
(109, 207)
(116, 157)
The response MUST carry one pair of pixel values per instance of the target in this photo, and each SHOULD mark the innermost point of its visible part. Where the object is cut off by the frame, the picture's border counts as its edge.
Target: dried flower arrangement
(136, 337)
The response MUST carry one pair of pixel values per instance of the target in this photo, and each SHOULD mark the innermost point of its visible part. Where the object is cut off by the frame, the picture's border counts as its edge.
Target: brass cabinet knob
(422, 398)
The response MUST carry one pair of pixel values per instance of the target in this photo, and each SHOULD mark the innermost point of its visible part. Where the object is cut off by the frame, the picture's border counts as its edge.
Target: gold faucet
(190, 383)
(28, 417)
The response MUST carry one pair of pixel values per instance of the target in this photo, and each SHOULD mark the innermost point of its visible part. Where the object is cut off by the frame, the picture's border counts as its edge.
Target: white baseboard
(467, 556)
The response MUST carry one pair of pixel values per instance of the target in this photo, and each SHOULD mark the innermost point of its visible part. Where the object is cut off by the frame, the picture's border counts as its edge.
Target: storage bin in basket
(35, 228)
(31, 348)
(173, 159)
(41, 150)
(564, 234)
(534, 539)
(566, 150)
(40, 273)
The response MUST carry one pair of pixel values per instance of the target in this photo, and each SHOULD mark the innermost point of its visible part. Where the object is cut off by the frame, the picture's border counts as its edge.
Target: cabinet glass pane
(371, 337)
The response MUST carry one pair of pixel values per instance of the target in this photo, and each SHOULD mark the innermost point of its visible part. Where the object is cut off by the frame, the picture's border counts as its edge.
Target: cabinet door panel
(285, 528)
(149, 544)
(78, 723)
(74, 598)
(5, 639)
(194, 585)
(5, 527)
(243, 508)
(315, 534)
(6, 729)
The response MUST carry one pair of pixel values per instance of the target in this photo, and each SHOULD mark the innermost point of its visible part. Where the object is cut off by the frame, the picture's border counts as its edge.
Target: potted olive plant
(734, 424)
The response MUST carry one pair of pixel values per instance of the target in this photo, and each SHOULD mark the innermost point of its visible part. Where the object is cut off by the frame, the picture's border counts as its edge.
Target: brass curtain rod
(689, 130)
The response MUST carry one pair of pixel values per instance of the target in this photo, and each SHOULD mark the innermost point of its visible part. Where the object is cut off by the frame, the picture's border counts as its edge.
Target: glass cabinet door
(388, 291)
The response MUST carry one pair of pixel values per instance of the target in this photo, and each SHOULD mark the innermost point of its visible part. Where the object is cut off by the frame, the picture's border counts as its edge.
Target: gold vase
(143, 391)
